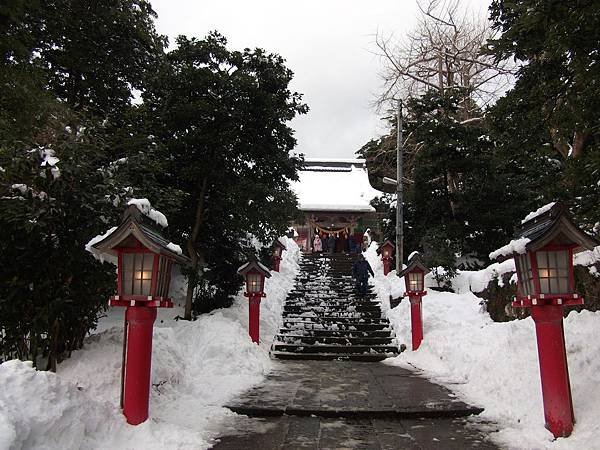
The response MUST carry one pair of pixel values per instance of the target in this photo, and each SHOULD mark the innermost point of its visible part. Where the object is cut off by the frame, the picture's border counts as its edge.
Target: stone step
(335, 333)
(328, 348)
(306, 325)
(339, 340)
(370, 357)
(335, 301)
(330, 295)
(356, 320)
(342, 310)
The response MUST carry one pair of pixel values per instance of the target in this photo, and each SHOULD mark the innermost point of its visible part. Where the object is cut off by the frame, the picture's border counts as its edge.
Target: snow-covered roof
(538, 212)
(334, 185)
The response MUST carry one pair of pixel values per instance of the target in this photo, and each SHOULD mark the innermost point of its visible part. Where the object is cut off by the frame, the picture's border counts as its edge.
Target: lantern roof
(253, 264)
(414, 263)
(135, 224)
(387, 243)
(279, 243)
(548, 224)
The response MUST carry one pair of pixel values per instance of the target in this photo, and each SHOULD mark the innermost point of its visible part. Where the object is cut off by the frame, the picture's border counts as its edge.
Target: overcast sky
(327, 43)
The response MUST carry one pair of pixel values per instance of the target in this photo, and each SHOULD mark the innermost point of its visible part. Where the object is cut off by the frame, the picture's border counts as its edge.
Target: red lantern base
(554, 372)
(254, 317)
(137, 363)
(416, 320)
(276, 263)
(386, 265)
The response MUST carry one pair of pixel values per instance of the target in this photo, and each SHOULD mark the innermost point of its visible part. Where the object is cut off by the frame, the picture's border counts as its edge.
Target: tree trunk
(452, 186)
(53, 346)
(191, 246)
(579, 140)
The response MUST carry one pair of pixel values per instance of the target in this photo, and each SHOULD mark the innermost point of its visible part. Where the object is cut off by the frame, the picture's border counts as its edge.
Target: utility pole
(399, 194)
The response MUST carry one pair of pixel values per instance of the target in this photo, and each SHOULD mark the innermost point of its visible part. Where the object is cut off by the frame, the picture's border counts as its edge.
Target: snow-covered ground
(495, 365)
(196, 368)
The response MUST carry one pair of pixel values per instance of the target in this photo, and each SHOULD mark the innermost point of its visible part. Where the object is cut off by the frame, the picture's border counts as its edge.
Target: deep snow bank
(495, 365)
(196, 368)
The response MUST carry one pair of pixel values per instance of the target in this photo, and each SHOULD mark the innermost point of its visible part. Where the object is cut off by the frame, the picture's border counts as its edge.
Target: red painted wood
(554, 372)
(416, 321)
(535, 273)
(254, 317)
(154, 281)
(138, 361)
(119, 272)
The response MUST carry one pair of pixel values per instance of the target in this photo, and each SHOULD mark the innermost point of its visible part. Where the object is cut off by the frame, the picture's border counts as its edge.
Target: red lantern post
(543, 252)
(144, 275)
(278, 248)
(414, 280)
(386, 250)
(255, 274)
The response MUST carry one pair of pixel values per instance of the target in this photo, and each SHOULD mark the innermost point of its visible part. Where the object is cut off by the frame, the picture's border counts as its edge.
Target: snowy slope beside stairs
(324, 318)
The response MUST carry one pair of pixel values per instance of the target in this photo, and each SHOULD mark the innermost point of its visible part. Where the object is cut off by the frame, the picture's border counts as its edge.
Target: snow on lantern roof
(549, 223)
(280, 241)
(414, 262)
(254, 264)
(141, 227)
(334, 185)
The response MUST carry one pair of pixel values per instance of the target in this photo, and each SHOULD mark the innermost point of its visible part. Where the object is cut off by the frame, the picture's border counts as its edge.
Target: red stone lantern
(414, 281)
(386, 250)
(255, 274)
(145, 260)
(278, 248)
(543, 251)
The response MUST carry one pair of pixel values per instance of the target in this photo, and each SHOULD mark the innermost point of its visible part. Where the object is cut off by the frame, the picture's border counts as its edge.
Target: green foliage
(52, 291)
(66, 73)
(220, 120)
(558, 43)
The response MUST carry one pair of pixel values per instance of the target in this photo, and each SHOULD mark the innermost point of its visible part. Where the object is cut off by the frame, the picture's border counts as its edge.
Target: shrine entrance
(338, 232)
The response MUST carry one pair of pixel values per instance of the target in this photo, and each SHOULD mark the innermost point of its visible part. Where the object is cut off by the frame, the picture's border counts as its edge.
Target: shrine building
(334, 196)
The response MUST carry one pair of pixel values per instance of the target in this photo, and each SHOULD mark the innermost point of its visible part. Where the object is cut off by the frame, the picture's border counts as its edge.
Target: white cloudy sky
(327, 43)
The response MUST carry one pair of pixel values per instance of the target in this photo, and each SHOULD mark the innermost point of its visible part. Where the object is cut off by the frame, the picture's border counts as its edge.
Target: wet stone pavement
(353, 405)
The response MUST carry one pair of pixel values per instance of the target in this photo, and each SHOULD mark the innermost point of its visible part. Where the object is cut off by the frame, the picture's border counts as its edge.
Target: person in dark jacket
(360, 271)
(331, 241)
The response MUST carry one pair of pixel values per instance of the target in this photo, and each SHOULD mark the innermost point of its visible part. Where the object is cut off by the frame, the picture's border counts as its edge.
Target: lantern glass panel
(276, 251)
(164, 277)
(253, 281)
(386, 252)
(127, 273)
(525, 274)
(553, 271)
(415, 281)
(137, 273)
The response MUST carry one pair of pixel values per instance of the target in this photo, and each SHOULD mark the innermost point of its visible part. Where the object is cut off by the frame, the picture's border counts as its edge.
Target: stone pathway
(354, 405)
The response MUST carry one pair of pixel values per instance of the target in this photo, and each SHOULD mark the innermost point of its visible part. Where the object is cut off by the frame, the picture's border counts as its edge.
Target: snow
(99, 255)
(174, 248)
(146, 208)
(495, 365)
(412, 254)
(48, 158)
(22, 188)
(538, 212)
(477, 280)
(334, 190)
(587, 257)
(196, 368)
(515, 246)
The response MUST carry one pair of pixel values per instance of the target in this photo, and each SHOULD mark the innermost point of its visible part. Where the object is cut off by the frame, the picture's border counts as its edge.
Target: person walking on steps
(360, 271)
(317, 244)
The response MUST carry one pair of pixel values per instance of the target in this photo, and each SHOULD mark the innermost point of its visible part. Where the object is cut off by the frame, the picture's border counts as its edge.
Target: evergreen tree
(220, 118)
(66, 71)
(551, 114)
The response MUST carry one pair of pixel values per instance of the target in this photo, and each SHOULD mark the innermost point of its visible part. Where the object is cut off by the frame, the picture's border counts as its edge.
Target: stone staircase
(325, 319)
